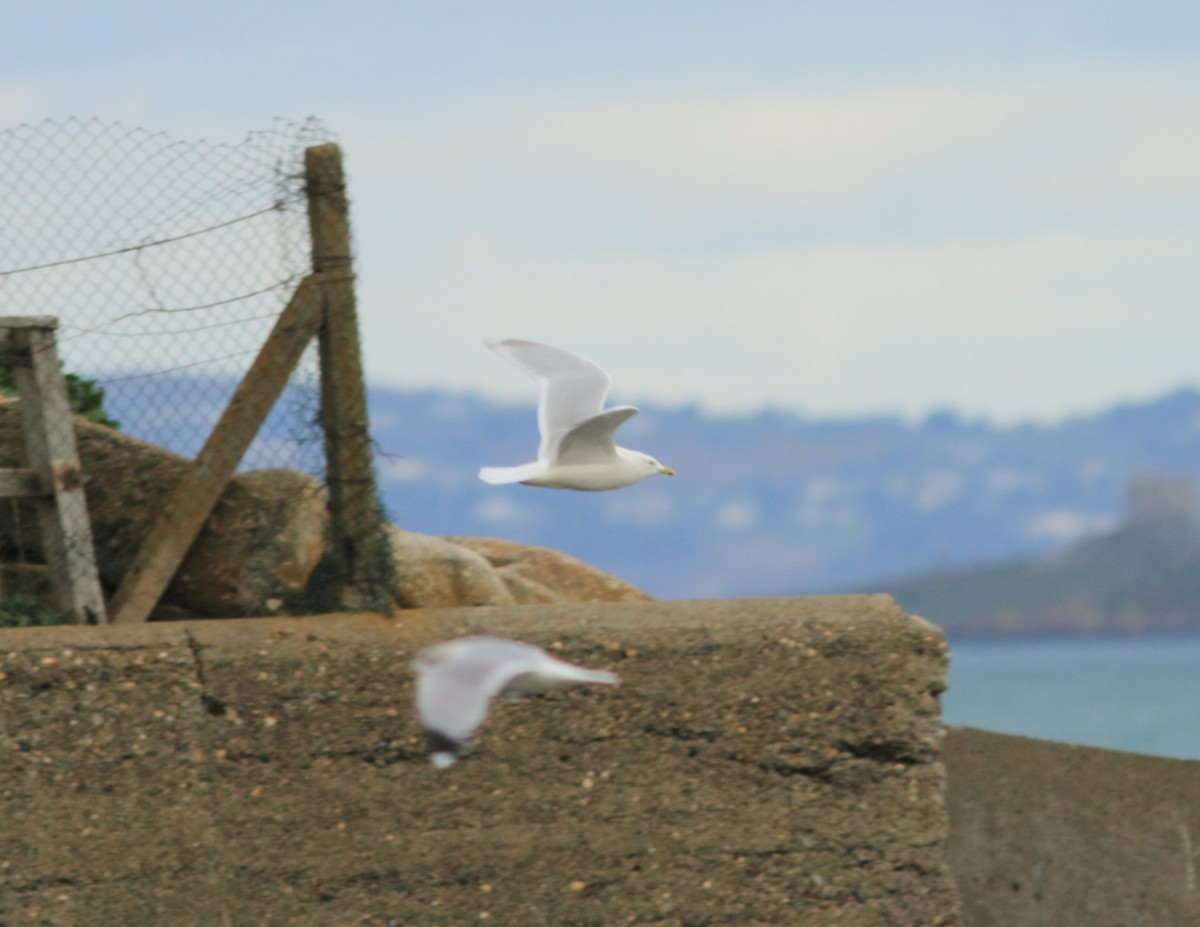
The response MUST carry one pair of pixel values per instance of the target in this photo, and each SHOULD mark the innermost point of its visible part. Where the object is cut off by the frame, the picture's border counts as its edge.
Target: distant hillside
(1141, 578)
(780, 503)
(763, 504)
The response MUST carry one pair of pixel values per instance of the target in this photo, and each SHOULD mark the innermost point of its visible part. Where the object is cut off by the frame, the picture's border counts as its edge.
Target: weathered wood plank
(11, 327)
(168, 541)
(50, 442)
(358, 542)
(20, 484)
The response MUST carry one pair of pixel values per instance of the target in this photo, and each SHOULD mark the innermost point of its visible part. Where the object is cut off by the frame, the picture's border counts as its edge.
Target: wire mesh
(166, 263)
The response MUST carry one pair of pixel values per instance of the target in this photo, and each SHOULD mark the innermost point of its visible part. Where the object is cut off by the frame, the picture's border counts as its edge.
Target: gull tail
(500, 475)
(555, 673)
(604, 677)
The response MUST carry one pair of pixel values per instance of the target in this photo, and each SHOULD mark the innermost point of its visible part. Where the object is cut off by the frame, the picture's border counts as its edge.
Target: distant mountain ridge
(774, 502)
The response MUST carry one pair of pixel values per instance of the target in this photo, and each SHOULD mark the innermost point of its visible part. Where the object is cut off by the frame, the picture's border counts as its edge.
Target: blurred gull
(456, 681)
(577, 450)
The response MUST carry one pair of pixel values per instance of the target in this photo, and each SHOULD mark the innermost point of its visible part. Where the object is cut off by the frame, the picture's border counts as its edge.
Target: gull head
(645, 460)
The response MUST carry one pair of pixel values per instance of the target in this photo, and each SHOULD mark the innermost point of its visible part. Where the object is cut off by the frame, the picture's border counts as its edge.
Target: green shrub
(24, 611)
(85, 397)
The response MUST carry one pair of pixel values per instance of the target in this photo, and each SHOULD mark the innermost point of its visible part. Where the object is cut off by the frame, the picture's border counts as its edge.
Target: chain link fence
(166, 263)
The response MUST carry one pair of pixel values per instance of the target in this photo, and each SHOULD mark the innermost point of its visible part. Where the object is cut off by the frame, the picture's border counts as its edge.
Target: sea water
(1139, 694)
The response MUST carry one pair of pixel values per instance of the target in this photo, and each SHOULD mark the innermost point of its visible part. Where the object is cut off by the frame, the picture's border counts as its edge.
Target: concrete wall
(762, 762)
(1051, 835)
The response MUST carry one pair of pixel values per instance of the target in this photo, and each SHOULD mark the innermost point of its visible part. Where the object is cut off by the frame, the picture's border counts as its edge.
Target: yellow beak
(666, 471)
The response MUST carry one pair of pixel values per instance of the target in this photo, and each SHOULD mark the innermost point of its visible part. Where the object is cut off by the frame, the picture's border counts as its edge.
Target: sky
(833, 208)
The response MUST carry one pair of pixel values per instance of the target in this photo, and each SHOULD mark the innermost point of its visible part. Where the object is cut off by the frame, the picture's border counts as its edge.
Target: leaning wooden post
(359, 545)
(185, 511)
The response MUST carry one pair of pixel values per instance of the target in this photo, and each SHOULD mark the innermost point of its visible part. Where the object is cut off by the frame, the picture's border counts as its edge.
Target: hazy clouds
(993, 210)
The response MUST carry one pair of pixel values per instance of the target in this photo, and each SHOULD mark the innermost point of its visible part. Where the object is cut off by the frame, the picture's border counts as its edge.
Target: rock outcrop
(260, 544)
(543, 575)
(266, 535)
(434, 572)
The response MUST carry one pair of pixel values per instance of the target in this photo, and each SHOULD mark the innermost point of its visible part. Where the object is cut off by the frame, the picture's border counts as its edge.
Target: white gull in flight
(457, 680)
(577, 450)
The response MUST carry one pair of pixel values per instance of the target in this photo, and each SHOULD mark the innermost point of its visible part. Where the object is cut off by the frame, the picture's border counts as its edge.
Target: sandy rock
(433, 572)
(540, 574)
(527, 591)
(259, 546)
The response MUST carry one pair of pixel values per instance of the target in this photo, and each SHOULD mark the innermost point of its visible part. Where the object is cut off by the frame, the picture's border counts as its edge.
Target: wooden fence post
(57, 474)
(359, 545)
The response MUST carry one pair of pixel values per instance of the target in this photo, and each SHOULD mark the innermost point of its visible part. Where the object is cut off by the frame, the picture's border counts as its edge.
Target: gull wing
(591, 441)
(571, 389)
